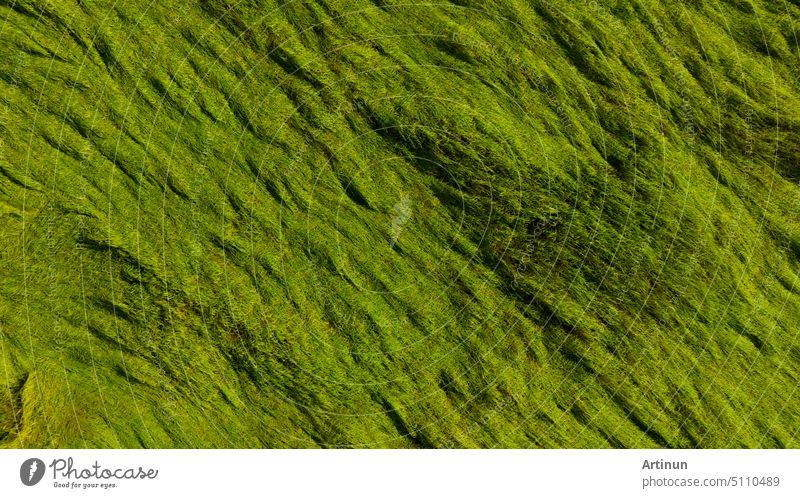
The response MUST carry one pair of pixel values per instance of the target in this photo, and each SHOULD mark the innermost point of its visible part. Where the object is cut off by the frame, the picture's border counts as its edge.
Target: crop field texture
(518, 223)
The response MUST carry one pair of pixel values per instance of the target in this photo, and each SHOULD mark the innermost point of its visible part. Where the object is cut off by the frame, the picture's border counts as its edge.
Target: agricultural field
(467, 224)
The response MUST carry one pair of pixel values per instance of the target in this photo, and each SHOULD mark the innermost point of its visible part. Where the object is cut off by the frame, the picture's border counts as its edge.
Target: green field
(384, 224)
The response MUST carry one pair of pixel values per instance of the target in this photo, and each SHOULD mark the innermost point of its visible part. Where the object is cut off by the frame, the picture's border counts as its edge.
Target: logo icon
(401, 213)
(31, 471)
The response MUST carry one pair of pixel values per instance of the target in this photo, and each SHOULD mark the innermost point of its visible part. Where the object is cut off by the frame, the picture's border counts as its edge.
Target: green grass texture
(466, 224)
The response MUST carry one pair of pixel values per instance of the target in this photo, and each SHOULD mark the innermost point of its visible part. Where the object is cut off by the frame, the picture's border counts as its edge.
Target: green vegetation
(471, 224)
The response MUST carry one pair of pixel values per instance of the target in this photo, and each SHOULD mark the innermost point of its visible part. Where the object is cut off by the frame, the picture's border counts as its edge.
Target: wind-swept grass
(471, 224)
